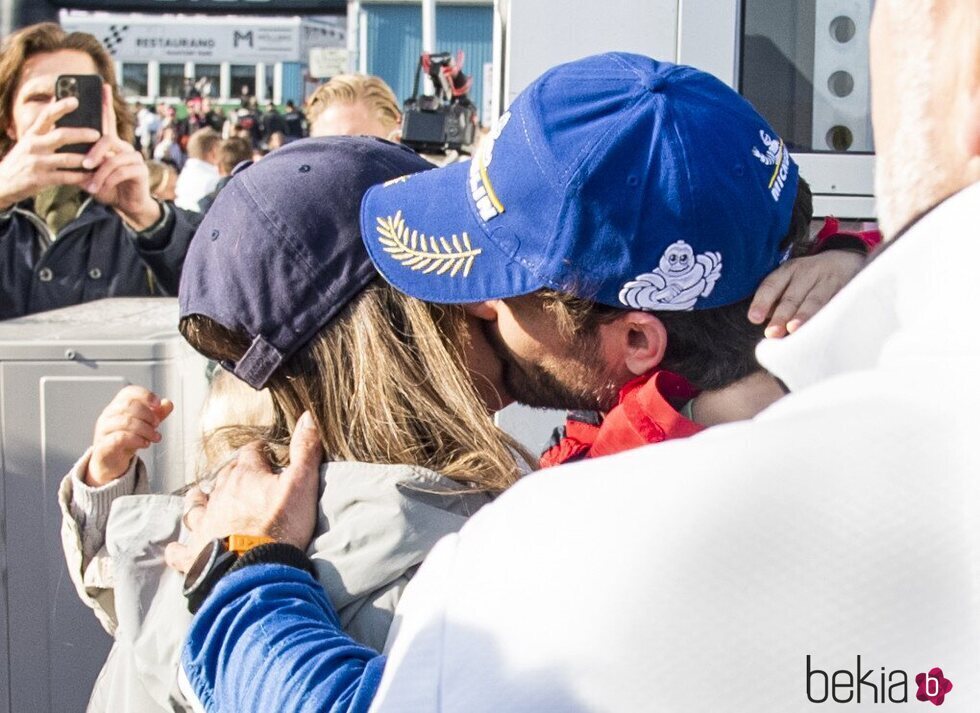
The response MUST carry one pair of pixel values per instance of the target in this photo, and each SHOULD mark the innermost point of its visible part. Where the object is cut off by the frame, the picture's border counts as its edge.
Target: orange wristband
(240, 544)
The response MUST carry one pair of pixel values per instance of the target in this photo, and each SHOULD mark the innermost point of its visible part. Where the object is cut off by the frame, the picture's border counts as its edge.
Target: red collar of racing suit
(646, 412)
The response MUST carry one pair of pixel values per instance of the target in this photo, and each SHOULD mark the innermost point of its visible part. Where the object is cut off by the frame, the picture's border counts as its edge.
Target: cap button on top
(45, 274)
(656, 84)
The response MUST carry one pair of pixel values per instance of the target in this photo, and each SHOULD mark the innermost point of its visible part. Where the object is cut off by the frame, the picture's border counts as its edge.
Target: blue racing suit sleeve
(268, 639)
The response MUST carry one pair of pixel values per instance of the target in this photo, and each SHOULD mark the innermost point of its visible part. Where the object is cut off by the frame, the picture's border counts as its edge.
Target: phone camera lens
(67, 87)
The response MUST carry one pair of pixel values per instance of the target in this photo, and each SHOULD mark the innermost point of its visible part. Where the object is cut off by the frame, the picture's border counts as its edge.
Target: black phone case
(88, 89)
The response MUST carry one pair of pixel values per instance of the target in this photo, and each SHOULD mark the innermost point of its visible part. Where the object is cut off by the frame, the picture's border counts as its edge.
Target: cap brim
(424, 236)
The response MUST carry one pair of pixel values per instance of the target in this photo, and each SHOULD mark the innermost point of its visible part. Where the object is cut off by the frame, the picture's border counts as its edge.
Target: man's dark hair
(711, 348)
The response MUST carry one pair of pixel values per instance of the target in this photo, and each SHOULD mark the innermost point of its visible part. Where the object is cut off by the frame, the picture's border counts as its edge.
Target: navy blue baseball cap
(635, 183)
(279, 253)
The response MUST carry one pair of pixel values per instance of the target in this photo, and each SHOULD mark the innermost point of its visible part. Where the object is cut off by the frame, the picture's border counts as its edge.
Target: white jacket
(196, 180)
(375, 525)
(698, 575)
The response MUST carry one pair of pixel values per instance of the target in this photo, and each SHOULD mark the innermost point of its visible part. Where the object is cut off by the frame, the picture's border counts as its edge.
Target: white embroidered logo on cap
(676, 283)
(776, 155)
(481, 189)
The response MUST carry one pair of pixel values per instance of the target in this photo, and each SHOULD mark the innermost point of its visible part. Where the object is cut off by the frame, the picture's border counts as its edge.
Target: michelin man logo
(772, 149)
(676, 283)
(776, 155)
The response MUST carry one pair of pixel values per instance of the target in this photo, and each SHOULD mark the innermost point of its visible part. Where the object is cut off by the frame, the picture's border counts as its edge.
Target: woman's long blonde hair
(385, 382)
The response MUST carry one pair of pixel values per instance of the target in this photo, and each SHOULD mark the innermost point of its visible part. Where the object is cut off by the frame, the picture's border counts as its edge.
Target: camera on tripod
(447, 120)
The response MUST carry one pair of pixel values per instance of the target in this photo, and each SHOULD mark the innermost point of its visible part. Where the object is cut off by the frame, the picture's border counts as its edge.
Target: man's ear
(640, 340)
(486, 311)
(395, 135)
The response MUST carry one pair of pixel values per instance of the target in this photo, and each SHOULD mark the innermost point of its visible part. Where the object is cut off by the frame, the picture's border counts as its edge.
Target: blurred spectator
(205, 86)
(214, 115)
(241, 131)
(247, 120)
(180, 126)
(272, 123)
(168, 148)
(294, 121)
(259, 153)
(352, 105)
(200, 115)
(93, 230)
(147, 125)
(168, 119)
(275, 141)
(163, 180)
(231, 152)
(191, 92)
(195, 115)
(200, 173)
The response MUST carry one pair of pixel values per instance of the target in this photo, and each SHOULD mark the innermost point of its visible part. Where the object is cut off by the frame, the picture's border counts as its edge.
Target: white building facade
(228, 56)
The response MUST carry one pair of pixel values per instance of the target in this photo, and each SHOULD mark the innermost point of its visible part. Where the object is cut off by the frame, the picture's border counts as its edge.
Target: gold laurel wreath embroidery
(426, 253)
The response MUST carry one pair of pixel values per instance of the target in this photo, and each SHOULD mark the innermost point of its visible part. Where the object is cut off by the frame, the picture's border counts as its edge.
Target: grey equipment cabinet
(58, 370)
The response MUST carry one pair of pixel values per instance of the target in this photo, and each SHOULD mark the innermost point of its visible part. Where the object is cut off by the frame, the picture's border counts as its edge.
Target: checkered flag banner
(114, 38)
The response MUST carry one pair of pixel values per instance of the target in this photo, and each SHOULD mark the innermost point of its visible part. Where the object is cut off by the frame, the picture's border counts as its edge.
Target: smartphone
(87, 88)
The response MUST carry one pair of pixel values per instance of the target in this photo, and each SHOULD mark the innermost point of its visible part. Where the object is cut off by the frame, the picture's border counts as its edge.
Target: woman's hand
(121, 179)
(799, 288)
(32, 164)
(127, 425)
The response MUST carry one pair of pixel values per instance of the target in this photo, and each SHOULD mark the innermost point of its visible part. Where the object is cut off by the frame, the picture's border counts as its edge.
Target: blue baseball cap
(279, 254)
(617, 178)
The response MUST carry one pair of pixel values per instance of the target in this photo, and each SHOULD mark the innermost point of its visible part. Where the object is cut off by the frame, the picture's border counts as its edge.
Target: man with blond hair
(825, 550)
(354, 105)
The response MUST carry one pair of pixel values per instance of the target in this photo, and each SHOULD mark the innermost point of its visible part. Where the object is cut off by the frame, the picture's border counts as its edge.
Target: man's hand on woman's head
(249, 498)
(32, 164)
(799, 288)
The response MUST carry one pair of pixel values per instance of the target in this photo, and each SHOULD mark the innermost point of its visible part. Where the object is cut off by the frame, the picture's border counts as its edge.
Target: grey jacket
(376, 524)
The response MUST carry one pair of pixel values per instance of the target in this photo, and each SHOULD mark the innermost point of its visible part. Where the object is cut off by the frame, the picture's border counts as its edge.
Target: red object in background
(831, 237)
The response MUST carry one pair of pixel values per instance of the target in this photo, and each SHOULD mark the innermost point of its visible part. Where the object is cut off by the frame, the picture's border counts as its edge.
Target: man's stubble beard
(582, 386)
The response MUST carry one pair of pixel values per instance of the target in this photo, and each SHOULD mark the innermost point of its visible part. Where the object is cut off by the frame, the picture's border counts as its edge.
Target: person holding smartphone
(77, 220)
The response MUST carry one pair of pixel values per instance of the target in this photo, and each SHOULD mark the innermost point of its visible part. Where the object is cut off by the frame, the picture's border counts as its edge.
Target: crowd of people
(128, 226)
(184, 155)
(194, 157)
(367, 538)
(162, 135)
